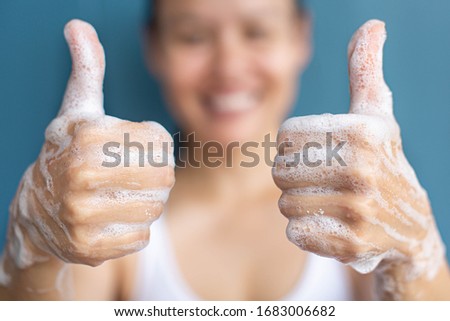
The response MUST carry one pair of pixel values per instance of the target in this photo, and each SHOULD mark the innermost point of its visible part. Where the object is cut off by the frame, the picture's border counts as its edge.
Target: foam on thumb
(84, 92)
(369, 93)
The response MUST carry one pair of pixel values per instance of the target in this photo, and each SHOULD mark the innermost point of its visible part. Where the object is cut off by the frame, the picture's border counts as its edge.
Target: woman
(229, 70)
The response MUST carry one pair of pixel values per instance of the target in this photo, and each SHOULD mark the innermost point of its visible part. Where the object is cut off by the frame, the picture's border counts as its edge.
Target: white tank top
(159, 278)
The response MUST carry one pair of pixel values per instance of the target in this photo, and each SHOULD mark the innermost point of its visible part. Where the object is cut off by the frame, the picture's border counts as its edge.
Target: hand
(364, 208)
(69, 204)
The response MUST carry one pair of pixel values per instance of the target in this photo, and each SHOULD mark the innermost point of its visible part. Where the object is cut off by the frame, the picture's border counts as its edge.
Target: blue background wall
(34, 67)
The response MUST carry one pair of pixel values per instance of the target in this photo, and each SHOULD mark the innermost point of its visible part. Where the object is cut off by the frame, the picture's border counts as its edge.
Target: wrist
(24, 245)
(414, 276)
(44, 280)
(27, 271)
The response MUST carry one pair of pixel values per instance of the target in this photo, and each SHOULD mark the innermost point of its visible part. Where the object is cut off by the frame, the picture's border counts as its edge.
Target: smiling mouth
(233, 103)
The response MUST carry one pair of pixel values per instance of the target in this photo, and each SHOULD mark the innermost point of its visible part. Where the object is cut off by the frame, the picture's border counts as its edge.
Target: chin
(230, 133)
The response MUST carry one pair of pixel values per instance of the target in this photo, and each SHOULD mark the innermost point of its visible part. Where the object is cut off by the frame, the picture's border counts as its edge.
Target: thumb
(84, 92)
(368, 90)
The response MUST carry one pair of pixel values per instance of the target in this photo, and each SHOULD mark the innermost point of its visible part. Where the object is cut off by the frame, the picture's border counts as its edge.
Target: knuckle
(79, 177)
(349, 208)
(334, 243)
(73, 213)
(91, 134)
(291, 205)
(359, 176)
(153, 211)
(78, 251)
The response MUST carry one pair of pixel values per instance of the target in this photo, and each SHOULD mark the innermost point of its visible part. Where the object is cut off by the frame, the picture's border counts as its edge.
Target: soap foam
(419, 218)
(376, 128)
(5, 278)
(316, 229)
(367, 262)
(313, 190)
(117, 230)
(120, 229)
(123, 196)
(134, 247)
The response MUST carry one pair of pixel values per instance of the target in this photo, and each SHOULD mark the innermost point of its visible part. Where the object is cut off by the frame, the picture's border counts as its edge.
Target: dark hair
(151, 20)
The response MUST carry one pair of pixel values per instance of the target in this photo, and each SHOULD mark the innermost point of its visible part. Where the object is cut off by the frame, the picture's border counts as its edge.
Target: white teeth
(233, 102)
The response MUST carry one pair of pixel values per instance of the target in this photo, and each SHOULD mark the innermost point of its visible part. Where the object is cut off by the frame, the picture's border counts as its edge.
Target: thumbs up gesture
(348, 191)
(69, 204)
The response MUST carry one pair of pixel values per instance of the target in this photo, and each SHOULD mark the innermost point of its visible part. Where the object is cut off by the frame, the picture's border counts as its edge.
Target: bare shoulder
(113, 280)
(363, 285)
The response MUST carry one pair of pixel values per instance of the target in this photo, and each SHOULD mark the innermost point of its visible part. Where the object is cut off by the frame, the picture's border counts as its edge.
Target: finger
(143, 207)
(97, 244)
(84, 92)
(368, 90)
(364, 214)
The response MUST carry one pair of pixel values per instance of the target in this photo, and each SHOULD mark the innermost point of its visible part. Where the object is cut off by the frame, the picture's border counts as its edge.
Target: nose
(230, 59)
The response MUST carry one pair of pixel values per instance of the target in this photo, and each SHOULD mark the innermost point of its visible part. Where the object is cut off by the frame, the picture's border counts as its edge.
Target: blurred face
(229, 68)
